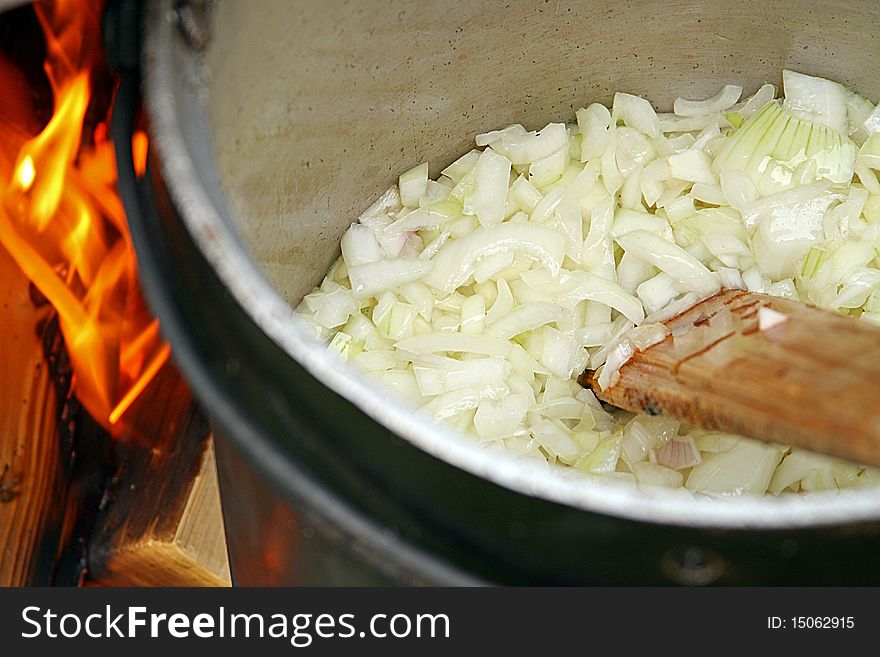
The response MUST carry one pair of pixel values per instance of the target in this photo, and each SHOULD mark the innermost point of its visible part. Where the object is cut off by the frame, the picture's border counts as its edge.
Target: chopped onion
(555, 440)
(594, 123)
(672, 259)
(456, 261)
(412, 184)
(455, 342)
(675, 123)
(676, 308)
(637, 441)
(500, 418)
(373, 278)
(636, 112)
(761, 97)
(747, 467)
(692, 165)
(679, 453)
(527, 317)
(724, 99)
(731, 279)
(388, 202)
(475, 297)
(359, 246)
(652, 474)
(460, 374)
(489, 196)
(816, 99)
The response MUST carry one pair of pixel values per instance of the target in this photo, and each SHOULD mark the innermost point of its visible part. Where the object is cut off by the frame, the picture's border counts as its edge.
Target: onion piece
(450, 404)
(672, 259)
(371, 279)
(500, 418)
(674, 123)
(636, 112)
(455, 342)
(412, 185)
(522, 147)
(456, 261)
(586, 286)
(388, 202)
(527, 317)
(460, 374)
(815, 99)
(334, 308)
(724, 99)
(422, 218)
(485, 329)
(594, 123)
(747, 467)
(559, 353)
(731, 279)
(554, 440)
(656, 293)
(491, 180)
(759, 99)
(359, 246)
(692, 165)
(652, 474)
(637, 441)
(679, 453)
(676, 308)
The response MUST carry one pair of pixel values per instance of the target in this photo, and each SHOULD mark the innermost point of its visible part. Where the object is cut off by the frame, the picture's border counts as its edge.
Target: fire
(63, 223)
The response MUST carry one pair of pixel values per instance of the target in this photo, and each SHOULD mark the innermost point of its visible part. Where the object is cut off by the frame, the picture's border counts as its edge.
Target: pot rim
(220, 246)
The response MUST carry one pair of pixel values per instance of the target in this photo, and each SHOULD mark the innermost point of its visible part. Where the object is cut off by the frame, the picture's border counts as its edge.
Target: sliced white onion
(500, 418)
(412, 185)
(815, 99)
(692, 165)
(359, 246)
(672, 259)
(475, 298)
(489, 197)
(636, 112)
(724, 99)
(679, 453)
(759, 99)
(373, 278)
(455, 342)
(527, 317)
(460, 374)
(747, 467)
(652, 474)
(456, 261)
(594, 123)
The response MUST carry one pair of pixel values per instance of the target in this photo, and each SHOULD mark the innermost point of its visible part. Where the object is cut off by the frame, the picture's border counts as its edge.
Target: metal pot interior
(312, 110)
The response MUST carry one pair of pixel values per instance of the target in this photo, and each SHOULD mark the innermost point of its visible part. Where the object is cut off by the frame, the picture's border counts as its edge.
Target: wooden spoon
(810, 378)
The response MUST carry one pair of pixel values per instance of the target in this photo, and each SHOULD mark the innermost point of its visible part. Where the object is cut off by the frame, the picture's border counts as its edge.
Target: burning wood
(63, 223)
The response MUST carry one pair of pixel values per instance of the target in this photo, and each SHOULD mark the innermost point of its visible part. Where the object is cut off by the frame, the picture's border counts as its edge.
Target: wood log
(809, 381)
(33, 476)
(160, 523)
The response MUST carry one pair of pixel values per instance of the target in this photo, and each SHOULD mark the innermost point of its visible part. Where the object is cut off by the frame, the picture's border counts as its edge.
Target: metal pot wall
(274, 124)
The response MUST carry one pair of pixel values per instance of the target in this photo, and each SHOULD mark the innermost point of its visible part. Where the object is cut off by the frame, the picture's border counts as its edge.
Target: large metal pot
(275, 123)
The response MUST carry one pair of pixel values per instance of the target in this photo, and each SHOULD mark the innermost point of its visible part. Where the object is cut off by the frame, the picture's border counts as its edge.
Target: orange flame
(62, 221)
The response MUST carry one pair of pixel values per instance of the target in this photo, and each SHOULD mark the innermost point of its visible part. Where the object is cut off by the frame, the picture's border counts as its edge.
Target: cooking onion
(480, 296)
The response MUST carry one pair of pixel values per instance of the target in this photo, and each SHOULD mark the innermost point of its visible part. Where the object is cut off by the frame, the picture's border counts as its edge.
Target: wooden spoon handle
(812, 381)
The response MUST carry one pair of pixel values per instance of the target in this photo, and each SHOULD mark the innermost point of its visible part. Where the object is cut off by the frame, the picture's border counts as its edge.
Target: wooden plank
(33, 479)
(200, 534)
(810, 381)
(161, 523)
